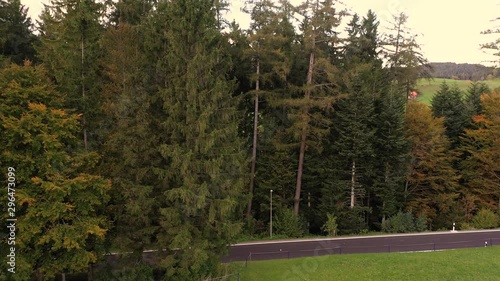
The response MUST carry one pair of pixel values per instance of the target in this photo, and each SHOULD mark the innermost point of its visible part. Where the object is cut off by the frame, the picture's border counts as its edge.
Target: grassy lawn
(427, 88)
(463, 264)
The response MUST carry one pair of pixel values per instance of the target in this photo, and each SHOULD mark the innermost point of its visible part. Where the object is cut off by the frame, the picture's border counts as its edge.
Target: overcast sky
(449, 30)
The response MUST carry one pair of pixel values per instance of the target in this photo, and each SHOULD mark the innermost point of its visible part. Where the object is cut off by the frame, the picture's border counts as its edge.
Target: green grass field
(463, 264)
(427, 88)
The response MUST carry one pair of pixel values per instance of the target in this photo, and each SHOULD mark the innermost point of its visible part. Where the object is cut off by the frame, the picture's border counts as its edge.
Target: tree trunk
(303, 137)
(90, 273)
(254, 147)
(38, 275)
(353, 183)
(298, 187)
(84, 123)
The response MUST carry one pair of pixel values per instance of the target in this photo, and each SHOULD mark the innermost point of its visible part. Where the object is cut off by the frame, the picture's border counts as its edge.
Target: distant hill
(427, 88)
(461, 71)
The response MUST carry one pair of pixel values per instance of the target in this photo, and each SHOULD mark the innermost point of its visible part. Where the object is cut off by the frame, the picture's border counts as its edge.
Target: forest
(463, 71)
(136, 125)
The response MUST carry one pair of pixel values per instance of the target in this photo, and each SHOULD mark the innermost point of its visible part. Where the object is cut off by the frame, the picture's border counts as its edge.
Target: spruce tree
(448, 103)
(130, 142)
(16, 32)
(202, 177)
(473, 98)
(363, 82)
(69, 34)
(391, 153)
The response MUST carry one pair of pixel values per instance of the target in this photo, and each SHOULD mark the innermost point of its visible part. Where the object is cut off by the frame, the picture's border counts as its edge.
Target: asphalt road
(429, 241)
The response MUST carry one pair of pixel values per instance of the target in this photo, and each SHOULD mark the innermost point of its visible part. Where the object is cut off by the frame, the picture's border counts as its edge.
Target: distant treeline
(462, 71)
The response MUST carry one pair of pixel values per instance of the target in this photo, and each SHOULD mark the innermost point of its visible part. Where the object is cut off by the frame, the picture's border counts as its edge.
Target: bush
(352, 220)
(421, 224)
(485, 219)
(288, 224)
(466, 226)
(404, 223)
(330, 225)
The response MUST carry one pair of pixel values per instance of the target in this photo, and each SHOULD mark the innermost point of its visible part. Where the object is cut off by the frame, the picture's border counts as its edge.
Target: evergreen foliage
(202, 178)
(16, 33)
(288, 224)
(196, 120)
(70, 31)
(391, 152)
(404, 223)
(448, 103)
(129, 146)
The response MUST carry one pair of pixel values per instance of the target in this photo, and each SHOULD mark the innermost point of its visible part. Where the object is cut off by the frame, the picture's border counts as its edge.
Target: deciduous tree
(60, 202)
(432, 182)
(481, 168)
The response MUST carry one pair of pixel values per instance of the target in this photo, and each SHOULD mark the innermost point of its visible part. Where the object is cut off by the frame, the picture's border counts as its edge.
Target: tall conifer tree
(202, 179)
(319, 39)
(448, 103)
(16, 32)
(130, 140)
(70, 32)
(270, 62)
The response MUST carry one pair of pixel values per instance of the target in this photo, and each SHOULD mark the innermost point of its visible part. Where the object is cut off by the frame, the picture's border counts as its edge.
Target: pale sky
(449, 30)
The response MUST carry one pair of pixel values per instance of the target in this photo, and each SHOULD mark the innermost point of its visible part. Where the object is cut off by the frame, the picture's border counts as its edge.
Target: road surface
(428, 241)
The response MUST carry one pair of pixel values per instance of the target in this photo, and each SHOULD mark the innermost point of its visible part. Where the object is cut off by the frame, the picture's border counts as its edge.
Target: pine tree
(202, 179)
(354, 128)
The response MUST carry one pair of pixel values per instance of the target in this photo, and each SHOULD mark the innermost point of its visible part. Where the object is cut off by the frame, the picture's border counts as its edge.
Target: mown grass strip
(462, 264)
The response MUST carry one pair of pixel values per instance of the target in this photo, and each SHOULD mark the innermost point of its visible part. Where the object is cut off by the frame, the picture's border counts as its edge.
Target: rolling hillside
(427, 88)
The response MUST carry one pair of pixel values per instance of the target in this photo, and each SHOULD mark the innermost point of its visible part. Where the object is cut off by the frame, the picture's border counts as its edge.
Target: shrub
(421, 224)
(352, 220)
(485, 219)
(404, 223)
(288, 224)
(466, 226)
(330, 225)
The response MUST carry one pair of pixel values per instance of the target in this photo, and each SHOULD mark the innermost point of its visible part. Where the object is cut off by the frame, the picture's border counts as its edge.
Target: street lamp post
(271, 213)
